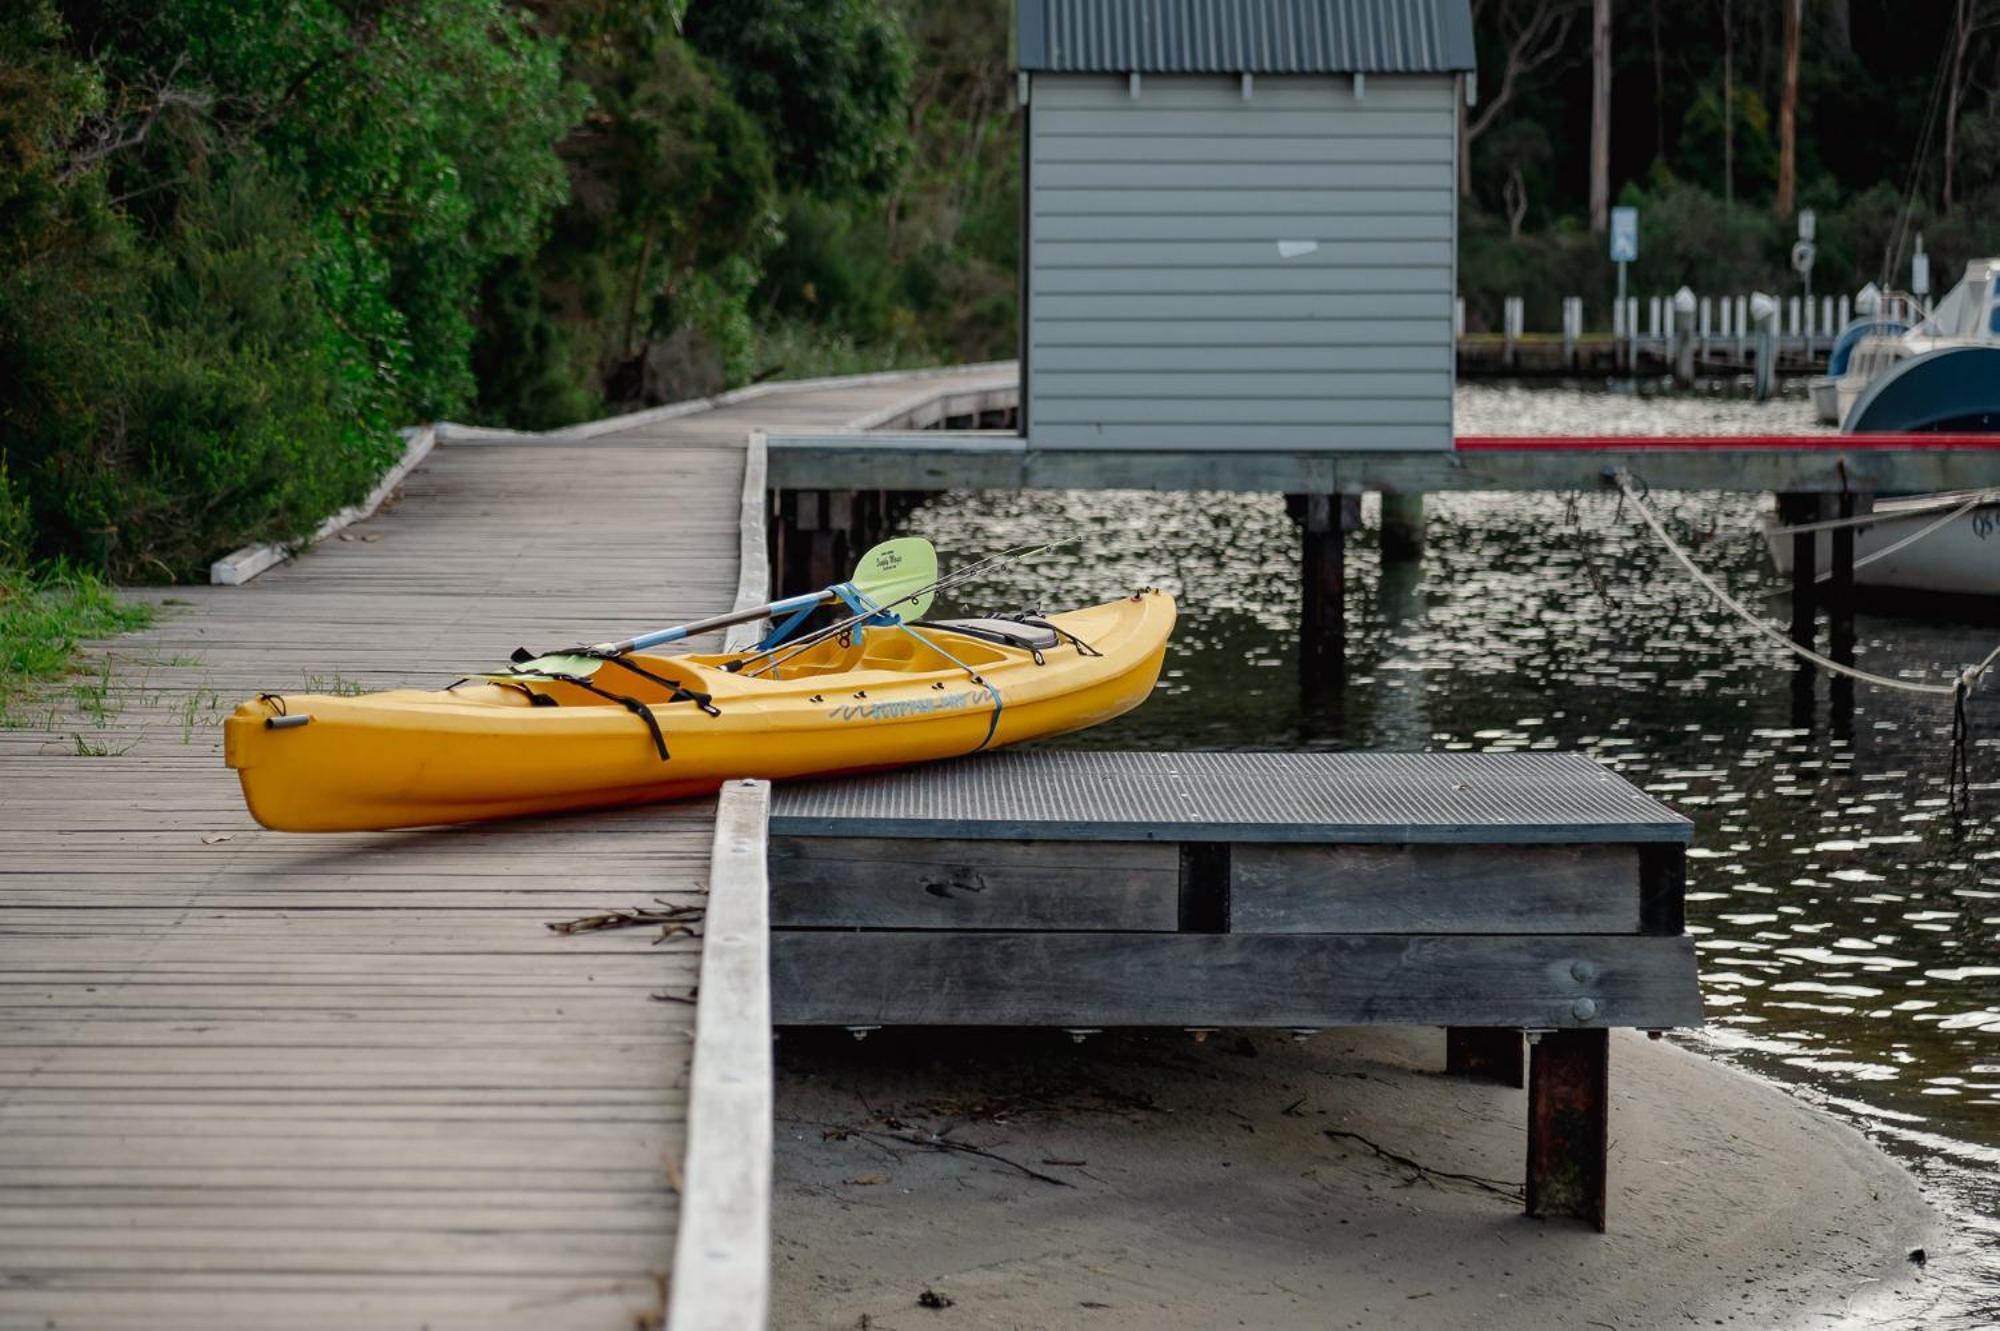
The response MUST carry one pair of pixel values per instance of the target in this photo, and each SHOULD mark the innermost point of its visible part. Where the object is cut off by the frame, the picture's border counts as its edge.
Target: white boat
(1967, 317)
(1938, 543)
(1886, 316)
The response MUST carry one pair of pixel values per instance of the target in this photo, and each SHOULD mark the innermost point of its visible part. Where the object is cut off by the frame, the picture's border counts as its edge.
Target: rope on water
(1772, 631)
(1957, 690)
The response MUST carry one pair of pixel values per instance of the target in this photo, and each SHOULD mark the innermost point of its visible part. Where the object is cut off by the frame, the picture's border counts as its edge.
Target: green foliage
(930, 275)
(239, 243)
(826, 78)
(1700, 155)
(43, 618)
(17, 528)
(748, 165)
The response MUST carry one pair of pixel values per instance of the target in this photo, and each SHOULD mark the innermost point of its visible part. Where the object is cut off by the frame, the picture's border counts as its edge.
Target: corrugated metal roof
(1246, 36)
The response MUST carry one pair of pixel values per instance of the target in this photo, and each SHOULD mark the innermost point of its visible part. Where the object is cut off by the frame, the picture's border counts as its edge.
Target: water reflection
(1848, 921)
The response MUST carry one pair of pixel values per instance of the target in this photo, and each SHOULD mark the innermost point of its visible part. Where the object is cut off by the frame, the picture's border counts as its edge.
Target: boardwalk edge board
(239, 566)
(753, 578)
(722, 1258)
(749, 393)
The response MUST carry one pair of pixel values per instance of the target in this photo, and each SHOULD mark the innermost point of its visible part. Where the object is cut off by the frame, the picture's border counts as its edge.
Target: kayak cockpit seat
(1032, 635)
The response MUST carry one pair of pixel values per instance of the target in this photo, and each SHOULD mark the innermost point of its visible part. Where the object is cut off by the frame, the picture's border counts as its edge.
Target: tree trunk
(1788, 116)
(1600, 116)
(1961, 37)
(1840, 26)
(1728, 107)
(1659, 91)
(1464, 144)
(638, 285)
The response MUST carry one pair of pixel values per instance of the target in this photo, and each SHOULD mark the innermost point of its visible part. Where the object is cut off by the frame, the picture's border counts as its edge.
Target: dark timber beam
(934, 461)
(1490, 1053)
(1402, 526)
(1840, 614)
(1322, 586)
(1793, 510)
(1568, 1124)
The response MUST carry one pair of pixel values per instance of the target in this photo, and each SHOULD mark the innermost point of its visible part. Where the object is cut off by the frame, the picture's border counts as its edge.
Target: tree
(1534, 35)
(826, 78)
(1600, 116)
(239, 243)
(1728, 105)
(1788, 115)
(1967, 21)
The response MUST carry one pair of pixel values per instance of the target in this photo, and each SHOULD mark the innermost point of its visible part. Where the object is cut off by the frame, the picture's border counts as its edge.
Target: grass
(191, 711)
(800, 351)
(44, 615)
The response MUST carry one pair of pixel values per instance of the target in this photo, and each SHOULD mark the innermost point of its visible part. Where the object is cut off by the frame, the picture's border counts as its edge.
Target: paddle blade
(558, 663)
(893, 570)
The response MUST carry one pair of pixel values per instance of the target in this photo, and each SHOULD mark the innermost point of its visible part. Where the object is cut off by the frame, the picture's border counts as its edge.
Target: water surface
(1847, 916)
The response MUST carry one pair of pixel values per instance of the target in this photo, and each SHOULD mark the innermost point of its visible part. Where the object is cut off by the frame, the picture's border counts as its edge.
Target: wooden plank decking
(257, 1080)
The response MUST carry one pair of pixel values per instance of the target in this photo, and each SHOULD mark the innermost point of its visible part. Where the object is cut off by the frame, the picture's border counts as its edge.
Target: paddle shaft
(681, 631)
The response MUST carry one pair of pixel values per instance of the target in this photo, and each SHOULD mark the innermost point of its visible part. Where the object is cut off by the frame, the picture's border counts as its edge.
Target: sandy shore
(1144, 1181)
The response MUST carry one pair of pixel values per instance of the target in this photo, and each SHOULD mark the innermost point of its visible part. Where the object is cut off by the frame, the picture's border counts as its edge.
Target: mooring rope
(1973, 500)
(1772, 631)
(1958, 690)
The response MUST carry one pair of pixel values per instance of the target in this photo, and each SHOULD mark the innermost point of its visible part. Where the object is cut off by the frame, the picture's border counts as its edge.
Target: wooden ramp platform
(257, 1080)
(1488, 893)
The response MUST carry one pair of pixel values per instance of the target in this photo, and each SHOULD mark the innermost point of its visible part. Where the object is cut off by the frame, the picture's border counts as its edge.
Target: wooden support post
(815, 543)
(842, 546)
(1840, 608)
(1840, 588)
(1794, 509)
(1490, 1053)
(1568, 1124)
(1402, 526)
(1322, 587)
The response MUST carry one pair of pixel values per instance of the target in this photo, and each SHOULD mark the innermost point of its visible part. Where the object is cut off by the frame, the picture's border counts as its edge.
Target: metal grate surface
(1394, 798)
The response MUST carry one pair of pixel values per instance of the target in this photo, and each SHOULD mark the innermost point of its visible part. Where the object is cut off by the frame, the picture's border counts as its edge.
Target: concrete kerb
(239, 566)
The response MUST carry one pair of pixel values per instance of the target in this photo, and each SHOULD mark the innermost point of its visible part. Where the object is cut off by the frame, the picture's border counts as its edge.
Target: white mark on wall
(1292, 249)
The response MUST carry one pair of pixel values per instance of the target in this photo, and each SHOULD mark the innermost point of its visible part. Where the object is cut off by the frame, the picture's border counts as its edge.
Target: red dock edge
(1633, 443)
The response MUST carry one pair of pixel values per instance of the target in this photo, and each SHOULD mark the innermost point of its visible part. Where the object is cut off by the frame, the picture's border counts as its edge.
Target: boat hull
(413, 758)
(1961, 558)
(1952, 388)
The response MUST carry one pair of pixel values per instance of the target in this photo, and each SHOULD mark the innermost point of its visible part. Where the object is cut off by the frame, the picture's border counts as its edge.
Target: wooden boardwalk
(249, 1079)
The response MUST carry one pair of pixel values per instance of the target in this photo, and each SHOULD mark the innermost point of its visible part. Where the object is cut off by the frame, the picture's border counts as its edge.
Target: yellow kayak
(649, 728)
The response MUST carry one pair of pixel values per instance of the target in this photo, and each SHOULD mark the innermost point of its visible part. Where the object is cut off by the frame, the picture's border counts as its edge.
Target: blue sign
(1624, 235)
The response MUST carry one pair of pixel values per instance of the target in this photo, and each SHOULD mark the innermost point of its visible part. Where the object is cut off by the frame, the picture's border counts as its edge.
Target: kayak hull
(412, 758)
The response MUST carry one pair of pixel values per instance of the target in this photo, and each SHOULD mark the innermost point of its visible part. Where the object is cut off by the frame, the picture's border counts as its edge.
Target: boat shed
(1240, 222)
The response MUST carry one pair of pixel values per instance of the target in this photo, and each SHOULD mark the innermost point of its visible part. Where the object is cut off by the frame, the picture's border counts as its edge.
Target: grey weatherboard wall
(1262, 263)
